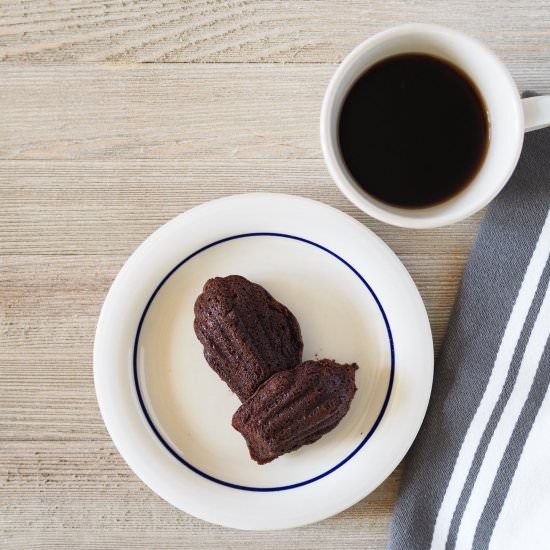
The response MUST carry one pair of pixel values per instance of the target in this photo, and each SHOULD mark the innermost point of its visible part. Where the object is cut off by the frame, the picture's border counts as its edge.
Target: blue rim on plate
(175, 454)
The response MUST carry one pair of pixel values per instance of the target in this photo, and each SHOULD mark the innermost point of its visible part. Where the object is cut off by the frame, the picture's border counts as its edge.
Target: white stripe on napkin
(494, 387)
(523, 520)
(505, 426)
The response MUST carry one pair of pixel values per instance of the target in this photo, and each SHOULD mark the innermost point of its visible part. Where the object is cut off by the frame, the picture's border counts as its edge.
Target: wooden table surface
(116, 116)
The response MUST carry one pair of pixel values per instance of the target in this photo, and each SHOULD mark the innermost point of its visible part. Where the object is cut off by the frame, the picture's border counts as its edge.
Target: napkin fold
(478, 475)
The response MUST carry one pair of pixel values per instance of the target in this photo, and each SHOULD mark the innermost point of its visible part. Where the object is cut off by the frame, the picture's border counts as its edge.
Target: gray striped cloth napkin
(478, 475)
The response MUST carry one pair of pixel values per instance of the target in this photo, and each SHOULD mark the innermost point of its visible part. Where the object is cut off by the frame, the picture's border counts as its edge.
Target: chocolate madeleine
(246, 334)
(295, 407)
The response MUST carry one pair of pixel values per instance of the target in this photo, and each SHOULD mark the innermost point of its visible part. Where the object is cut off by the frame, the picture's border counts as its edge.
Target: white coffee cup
(509, 117)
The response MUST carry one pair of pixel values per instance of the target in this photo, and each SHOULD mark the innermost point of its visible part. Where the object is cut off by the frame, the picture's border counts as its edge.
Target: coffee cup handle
(536, 111)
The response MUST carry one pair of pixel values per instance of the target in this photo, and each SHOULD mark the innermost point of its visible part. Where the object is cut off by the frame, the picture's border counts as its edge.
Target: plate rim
(303, 517)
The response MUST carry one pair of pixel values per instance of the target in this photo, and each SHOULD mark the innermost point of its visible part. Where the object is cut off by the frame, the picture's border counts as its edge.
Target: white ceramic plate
(170, 415)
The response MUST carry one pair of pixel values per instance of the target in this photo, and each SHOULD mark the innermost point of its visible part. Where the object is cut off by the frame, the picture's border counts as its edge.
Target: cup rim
(402, 217)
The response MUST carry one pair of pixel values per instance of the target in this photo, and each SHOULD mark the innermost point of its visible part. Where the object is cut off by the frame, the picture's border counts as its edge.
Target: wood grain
(161, 111)
(170, 111)
(104, 207)
(82, 495)
(118, 115)
(206, 31)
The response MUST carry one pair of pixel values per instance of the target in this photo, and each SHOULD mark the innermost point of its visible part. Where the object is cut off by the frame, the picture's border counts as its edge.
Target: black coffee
(413, 130)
